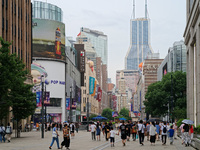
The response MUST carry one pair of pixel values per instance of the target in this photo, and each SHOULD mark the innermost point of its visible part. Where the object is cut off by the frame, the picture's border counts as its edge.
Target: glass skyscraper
(140, 45)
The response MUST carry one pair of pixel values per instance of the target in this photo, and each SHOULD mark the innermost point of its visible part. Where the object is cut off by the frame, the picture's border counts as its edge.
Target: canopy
(99, 118)
(122, 119)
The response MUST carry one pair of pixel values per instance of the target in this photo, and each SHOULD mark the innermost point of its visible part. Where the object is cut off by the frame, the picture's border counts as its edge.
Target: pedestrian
(66, 137)
(157, 131)
(93, 131)
(186, 134)
(112, 137)
(134, 132)
(141, 129)
(60, 126)
(8, 132)
(175, 130)
(171, 135)
(164, 134)
(182, 131)
(191, 132)
(55, 136)
(128, 131)
(122, 129)
(2, 133)
(98, 131)
(107, 131)
(72, 128)
(77, 126)
(168, 127)
(147, 130)
(152, 133)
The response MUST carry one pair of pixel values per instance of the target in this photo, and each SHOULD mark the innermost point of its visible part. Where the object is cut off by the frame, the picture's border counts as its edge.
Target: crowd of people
(154, 131)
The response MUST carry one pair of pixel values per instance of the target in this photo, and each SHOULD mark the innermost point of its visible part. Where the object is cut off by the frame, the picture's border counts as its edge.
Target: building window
(55, 102)
(84, 109)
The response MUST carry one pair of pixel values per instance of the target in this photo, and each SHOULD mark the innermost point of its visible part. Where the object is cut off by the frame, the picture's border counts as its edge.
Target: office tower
(140, 45)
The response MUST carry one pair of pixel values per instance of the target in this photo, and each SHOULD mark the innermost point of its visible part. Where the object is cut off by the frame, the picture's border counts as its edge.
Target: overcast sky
(168, 20)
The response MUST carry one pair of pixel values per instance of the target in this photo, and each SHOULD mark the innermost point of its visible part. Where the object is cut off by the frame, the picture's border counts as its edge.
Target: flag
(79, 34)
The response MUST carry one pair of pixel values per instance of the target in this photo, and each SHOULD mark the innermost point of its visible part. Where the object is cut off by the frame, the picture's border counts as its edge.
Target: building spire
(145, 8)
(133, 9)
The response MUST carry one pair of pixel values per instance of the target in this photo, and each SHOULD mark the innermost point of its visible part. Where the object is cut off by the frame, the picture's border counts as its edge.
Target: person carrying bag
(55, 137)
(8, 132)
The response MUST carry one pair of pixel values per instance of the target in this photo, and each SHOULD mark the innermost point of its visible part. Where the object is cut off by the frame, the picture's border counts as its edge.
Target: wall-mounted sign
(57, 82)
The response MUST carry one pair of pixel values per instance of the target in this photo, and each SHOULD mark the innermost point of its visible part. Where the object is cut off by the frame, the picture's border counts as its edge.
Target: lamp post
(45, 113)
(70, 103)
(88, 112)
(171, 98)
(42, 76)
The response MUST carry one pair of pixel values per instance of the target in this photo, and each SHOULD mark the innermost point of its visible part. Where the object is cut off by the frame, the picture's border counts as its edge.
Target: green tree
(125, 113)
(158, 96)
(107, 112)
(14, 92)
(92, 116)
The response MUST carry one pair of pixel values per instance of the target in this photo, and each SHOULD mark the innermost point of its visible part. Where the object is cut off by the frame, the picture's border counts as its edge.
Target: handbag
(54, 134)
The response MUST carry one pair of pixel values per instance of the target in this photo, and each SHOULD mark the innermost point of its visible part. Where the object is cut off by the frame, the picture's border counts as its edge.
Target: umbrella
(188, 121)
(122, 119)
(99, 118)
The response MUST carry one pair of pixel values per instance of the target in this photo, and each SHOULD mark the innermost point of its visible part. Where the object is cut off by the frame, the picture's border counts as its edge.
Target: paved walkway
(82, 141)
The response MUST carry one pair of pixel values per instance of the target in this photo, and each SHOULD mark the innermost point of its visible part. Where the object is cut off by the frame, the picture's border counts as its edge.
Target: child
(112, 136)
(171, 134)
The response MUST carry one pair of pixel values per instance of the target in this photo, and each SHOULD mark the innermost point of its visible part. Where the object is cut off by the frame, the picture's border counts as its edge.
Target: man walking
(122, 129)
(164, 134)
(93, 131)
(8, 132)
(141, 129)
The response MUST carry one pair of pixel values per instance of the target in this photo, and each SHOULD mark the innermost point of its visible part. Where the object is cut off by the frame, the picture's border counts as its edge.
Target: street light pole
(70, 103)
(88, 112)
(171, 98)
(42, 106)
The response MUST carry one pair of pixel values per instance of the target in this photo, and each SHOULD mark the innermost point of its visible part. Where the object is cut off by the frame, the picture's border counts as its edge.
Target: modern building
(140, 41)
(99, 41)
(49, 60)
(131, 78)
(192, 42)
(174, 61)
(15, 27)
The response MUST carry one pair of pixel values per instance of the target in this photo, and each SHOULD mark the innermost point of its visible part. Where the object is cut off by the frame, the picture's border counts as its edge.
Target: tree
(92, 116)
(14, 92)
(159, 96)
(125, 113)
(107, 112)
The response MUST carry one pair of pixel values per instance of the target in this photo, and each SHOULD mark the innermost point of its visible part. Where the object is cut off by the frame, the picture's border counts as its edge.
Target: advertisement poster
(47, 99)
(49, 39)
(67, 103)
(115, 114)
(73, 103)
(91, 85)
(38, 99)
(99, 96)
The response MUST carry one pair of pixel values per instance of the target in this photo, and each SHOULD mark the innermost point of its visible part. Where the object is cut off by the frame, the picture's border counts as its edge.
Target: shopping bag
(136, 136)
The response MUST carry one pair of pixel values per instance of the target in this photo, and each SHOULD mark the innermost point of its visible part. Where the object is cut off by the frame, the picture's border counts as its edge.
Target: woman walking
(2, 133)
(98, 132)
(66, 137)
(152, 133)
(55, 137)
(8, 132)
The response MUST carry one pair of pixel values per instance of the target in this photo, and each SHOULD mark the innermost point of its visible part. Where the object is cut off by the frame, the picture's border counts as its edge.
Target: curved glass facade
(44, 10)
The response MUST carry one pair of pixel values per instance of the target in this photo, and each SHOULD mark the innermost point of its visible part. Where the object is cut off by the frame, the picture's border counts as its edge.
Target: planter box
(196, 143)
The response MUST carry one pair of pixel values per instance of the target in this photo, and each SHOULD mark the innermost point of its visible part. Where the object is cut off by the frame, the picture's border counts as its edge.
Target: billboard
(48, 39)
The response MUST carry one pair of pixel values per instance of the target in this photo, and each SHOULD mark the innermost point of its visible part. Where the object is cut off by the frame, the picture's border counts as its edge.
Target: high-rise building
(98, 40)
(140, 43)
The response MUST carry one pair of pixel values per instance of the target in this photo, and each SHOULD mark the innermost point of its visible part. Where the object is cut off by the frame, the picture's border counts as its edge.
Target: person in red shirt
(191, 132)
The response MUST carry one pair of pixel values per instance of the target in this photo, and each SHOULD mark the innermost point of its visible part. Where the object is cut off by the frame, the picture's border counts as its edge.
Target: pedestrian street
(82, 141)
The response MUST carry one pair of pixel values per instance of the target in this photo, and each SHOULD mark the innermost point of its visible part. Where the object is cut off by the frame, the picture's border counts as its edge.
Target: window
(55, 102)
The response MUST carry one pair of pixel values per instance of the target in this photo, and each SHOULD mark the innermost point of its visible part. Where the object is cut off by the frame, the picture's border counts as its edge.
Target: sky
(168, 21)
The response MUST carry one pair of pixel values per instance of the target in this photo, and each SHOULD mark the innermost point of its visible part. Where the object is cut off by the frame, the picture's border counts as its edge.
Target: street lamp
(45, 113)
(88, 112)
(42, 79)
(70, 103)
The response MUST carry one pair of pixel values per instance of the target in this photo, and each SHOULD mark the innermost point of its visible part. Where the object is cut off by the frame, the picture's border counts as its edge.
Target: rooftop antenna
(146, 9)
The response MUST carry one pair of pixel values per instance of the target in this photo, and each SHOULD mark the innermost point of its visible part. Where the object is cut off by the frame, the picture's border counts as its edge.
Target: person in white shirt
(152, 133)
(72, 128)
(93, 131)
(112, 137)
(8, 132)
(141, 128)
(2, 133)
(164, 133)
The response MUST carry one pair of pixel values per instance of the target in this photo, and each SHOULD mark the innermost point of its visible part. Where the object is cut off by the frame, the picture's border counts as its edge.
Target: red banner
(99, 96)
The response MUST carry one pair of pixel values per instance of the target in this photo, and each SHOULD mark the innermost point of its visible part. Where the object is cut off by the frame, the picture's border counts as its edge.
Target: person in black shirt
(107, 131)
(186, 134)
(122, 129)
(128, 130)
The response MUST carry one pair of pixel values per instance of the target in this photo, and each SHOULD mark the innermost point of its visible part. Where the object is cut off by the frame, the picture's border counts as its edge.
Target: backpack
(2, 131)
(72, 127)
(8, 130)
(164, 129)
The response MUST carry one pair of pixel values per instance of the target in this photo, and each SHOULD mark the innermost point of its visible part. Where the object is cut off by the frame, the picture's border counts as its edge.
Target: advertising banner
(38, 99)
(49, 39)
(73, 103)
(94, 92)
(91, 85)
(47, 99)
(67, 103)
(115, 114)
(99, 96)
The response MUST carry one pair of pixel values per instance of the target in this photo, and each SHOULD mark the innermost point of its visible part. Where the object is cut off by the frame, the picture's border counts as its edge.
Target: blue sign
(91, 85)
(68, 103)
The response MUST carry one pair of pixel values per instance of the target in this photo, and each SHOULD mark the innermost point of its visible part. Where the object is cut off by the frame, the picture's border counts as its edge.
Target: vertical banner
(38, 99)
(67, 103)
(91, 85)
(99, 96)
(47, 98)
(94, 92)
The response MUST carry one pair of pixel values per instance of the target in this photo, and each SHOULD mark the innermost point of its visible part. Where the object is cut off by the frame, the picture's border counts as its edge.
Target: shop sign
(57, 82)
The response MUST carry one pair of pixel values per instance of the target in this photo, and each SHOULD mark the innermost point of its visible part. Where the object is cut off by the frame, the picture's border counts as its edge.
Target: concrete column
(190, 83)
(197, 115)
